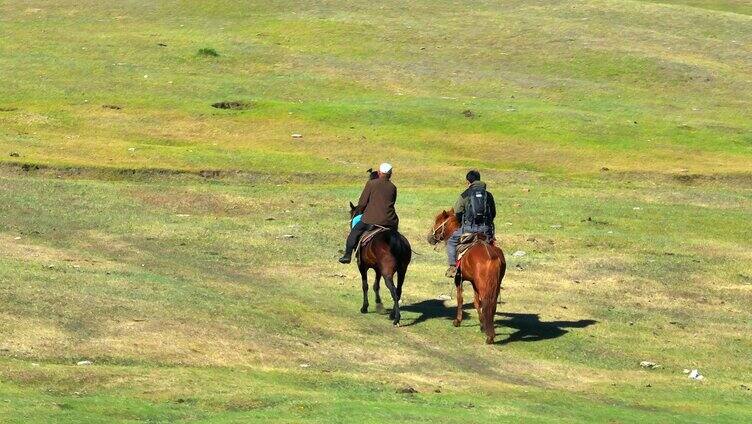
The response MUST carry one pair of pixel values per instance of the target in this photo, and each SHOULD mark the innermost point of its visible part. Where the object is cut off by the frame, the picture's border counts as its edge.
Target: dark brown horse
(387, 253)
(483, 265)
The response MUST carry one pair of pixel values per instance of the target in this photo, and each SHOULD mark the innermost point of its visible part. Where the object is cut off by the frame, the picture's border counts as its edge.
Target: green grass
(140, 238)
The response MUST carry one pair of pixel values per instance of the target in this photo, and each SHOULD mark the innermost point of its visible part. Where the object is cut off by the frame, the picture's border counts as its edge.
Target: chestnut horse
(387, 253)
(483, 265)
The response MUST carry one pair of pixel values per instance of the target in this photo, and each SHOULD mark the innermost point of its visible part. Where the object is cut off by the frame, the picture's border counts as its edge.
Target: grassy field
(146, 231)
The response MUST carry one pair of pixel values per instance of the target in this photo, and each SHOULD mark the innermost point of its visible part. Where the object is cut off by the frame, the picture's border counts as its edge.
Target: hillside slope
(189, 252)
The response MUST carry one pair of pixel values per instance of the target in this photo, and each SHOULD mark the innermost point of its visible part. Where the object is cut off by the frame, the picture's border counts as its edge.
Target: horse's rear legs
(364, 280)
(400, 281)
(395, 314)
(376, 288)
(478, 307)
(489, 309)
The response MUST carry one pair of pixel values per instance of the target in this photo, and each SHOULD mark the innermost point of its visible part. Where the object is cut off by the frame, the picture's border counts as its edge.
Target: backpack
(477, 211)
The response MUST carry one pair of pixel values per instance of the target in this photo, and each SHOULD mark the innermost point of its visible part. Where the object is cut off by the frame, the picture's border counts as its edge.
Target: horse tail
(490, 298)
(400, 248)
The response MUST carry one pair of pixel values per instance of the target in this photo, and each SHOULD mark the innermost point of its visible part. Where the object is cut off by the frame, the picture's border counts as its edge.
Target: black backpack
(477, 211)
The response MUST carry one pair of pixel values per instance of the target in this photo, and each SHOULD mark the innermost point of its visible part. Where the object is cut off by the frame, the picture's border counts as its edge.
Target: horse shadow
(528, 327)
(432, 309)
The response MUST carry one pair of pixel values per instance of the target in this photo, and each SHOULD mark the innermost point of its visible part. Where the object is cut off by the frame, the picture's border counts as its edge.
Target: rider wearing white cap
(377, 206)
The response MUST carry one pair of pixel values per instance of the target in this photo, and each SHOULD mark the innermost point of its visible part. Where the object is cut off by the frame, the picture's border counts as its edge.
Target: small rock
(288, 236)
(519, 253)
(636, 208)
(556, 226)
(296, 135)
(605, 169)
(113, 107)
(270, 219)
(468, 113)
(519, 267)
(744, 387)
(304, 365)
(407, 389)
(686, 371)
(14, 154)
(526, 190)
(650, 365)
(131, 149)
(84, 363)
(695, 375)
(443, 297)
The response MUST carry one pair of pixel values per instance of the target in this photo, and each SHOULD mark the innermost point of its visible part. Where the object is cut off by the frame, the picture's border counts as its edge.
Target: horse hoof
(397, 324)
(456, 323)
(489, 340)
(364, 310)
(379, 308)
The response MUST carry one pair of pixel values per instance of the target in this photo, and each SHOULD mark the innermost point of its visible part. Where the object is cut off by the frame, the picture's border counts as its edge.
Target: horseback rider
(377, 206)
(475, 210)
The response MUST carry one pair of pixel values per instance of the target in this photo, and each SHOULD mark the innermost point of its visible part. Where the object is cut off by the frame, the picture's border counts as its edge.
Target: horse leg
(376, 288)
(395, 314)
(400, 281)
(460, 302)
(478, 307)
(364, 280)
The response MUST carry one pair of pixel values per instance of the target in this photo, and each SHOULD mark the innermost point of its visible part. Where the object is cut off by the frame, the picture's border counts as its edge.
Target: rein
(440, 227)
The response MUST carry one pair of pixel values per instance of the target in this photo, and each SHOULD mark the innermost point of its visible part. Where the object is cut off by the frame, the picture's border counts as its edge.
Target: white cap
(385, 168)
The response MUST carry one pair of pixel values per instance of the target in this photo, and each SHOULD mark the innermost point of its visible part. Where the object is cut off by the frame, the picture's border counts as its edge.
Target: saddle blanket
(467, 241)
(368, 236)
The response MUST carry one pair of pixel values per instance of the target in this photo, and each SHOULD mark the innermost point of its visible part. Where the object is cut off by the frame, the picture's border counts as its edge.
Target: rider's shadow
(434, 308)
(531, 329)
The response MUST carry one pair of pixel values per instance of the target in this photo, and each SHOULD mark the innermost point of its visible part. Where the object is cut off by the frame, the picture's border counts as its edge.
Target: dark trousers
(454, 239)
(355, 234)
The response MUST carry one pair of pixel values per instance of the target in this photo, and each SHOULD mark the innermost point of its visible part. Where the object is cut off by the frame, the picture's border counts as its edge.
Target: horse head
(443, 226)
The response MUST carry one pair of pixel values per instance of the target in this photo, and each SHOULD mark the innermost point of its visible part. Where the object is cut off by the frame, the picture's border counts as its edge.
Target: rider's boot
(346, 258)
(451, 272)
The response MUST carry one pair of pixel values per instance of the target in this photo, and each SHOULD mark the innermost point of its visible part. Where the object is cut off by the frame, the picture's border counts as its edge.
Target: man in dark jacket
(476, 210)
(377, 206)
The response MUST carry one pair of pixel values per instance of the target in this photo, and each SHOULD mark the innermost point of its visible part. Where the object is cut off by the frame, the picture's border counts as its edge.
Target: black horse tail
(400, 248)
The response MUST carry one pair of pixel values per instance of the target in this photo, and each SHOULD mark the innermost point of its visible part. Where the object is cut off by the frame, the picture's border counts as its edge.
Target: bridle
(440, 228)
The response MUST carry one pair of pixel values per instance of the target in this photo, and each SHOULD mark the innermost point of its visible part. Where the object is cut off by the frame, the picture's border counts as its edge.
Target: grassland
(136, 220)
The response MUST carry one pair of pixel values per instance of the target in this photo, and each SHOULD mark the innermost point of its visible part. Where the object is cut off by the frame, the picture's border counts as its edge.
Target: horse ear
(444, 214)
(352, 206)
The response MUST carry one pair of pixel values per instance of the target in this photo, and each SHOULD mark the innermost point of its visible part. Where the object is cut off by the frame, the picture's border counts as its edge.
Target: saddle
(468, 240)
(368, 236)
